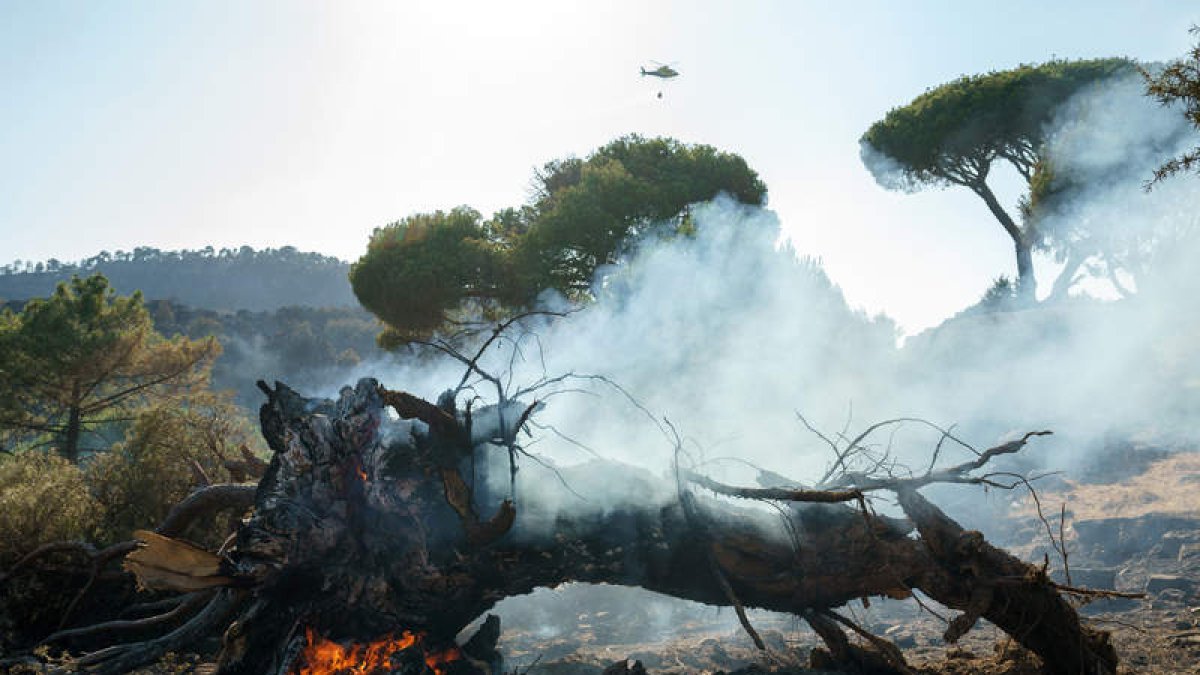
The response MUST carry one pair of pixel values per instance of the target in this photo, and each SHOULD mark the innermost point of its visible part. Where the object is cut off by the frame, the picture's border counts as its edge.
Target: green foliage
(582, 226)
(228, 279)
(952, 133)
(589, 211)
(1000, 296)
(167, 453)
(84, 359)
(427, 269)
(43, 498)
(418, 270)
(1179, 84)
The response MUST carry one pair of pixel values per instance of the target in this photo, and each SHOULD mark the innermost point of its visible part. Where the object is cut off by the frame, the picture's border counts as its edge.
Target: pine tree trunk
(70, 441)
(1026, 282)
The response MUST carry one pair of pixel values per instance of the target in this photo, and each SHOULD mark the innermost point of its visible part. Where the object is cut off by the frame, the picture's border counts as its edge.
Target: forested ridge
(304, 344)
(229, 279)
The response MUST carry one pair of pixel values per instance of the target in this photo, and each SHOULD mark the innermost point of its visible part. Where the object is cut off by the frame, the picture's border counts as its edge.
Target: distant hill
(224, 279)
(314, 349)
(311, 348)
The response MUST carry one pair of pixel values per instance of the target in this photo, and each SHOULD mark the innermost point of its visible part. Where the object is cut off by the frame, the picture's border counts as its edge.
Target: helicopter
(664, 71)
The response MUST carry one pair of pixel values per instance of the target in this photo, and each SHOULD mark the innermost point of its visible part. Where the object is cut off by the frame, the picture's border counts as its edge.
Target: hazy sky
(186, 124)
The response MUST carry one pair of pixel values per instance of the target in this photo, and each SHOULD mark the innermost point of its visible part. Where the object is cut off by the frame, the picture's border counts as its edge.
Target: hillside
(224, 279)
(317, 346)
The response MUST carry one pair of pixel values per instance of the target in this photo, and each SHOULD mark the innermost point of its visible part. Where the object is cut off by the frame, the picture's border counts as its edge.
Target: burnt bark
(365, 526)
(1016, 596)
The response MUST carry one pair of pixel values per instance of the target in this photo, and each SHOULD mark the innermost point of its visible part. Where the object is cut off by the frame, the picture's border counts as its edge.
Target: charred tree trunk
(366, 527)
(989, 583)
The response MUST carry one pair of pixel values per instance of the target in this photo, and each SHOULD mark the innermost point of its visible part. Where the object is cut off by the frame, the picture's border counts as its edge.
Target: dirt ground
(1162, 639)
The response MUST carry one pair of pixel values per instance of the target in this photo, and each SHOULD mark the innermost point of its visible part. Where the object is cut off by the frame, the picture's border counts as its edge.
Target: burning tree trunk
(367, 528)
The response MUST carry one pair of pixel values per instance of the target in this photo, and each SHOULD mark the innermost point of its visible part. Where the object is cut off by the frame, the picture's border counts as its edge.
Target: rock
(1161, 582)
(774, 639)
(1172, 543)
(1109, 605)
(755, 669)
(1169, 597)
(1114, 540)
(1189, 553)
(1088, 577)
(626, 667)
(901, 636)
(717, 654)
(1188, 641)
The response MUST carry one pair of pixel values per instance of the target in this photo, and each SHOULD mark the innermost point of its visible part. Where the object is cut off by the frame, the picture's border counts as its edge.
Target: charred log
(365, 527)
(386, 523)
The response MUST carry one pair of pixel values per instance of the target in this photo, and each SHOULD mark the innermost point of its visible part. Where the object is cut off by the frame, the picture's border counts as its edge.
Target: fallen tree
(394, 531)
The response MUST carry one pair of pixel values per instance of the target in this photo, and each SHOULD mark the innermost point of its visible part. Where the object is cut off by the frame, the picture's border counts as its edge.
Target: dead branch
(248, 467)
(864, 483)
(410, 407)
(83, 548)
(126, 657)
(203, 502)
(839, 466)
(206, 502)
(153, 607)
(777, 494)
(1021, 601)
(886, 648)
(1096, 593)
(738, 607)
(183, 606)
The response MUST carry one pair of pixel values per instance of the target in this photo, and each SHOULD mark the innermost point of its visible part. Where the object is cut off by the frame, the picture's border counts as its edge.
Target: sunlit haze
(190, 124)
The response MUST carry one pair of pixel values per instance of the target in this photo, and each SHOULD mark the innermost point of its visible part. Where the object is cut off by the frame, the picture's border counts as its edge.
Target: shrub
(43, 498)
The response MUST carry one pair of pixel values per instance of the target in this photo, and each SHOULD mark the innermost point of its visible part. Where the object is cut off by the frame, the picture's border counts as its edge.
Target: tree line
(230, 279)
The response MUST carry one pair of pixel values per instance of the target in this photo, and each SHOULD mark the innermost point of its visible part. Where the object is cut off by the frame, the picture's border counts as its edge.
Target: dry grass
(1169, 486)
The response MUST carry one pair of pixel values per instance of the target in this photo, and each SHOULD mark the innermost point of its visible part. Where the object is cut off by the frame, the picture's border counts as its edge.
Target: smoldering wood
(365, 525)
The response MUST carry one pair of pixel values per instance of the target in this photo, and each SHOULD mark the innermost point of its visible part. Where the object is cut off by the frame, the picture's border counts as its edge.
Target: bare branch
(854, 444)
(206, 501)
(780, 494)
(182, 606)
(126, 657)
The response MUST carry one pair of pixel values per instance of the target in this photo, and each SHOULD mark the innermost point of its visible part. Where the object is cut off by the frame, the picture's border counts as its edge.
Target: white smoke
(726, 335)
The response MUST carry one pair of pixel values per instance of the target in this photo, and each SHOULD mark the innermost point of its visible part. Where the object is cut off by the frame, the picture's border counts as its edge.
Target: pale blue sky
(186, 124)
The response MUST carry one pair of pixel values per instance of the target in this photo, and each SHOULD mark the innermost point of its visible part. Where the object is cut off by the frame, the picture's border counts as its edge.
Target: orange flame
(436, 660)
(326, 657)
